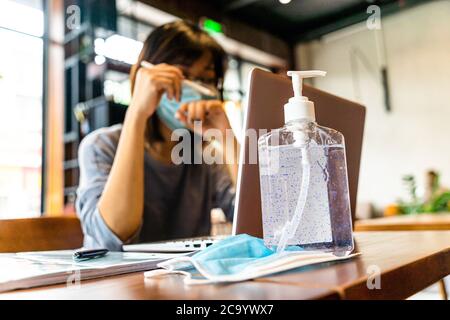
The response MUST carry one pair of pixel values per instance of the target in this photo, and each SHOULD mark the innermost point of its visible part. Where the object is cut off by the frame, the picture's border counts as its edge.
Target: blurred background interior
(64, 72)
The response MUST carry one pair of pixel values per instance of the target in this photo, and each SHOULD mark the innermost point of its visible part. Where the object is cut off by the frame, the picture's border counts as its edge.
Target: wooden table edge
(357, 289)
(402, 227)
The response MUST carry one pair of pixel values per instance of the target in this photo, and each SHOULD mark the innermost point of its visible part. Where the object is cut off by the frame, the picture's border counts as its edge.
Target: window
(232, 85)
(21, 88)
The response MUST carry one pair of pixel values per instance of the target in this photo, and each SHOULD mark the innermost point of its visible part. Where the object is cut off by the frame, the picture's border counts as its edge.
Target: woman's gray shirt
(178, 199)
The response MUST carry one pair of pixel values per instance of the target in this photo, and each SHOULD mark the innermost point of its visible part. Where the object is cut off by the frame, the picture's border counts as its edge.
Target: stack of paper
(26, 270)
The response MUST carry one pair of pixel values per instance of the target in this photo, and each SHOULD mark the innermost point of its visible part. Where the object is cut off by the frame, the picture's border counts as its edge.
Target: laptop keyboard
(180, 245)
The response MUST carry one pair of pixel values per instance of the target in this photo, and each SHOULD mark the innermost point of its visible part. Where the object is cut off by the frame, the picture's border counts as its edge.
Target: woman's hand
(210, 112)
(151, 84)
(212, 115)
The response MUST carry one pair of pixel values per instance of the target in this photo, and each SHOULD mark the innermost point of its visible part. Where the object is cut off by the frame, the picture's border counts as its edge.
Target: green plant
(413, 205)
(439, 201)
(410, 183)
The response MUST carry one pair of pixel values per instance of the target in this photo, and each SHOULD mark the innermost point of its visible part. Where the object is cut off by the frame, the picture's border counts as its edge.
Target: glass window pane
(126, 27)
(25, 16)
(133, 29)
(21, 67)
(143, 32)
(246, 67)
(232, 81)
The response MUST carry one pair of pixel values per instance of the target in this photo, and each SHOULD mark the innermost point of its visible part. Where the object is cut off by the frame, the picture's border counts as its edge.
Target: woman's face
(201, 70)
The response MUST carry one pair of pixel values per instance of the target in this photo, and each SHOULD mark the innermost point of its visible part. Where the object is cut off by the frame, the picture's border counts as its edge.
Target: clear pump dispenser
(304, 184)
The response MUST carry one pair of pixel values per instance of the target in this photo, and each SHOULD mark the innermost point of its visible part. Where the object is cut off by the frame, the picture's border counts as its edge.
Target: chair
(40, 234)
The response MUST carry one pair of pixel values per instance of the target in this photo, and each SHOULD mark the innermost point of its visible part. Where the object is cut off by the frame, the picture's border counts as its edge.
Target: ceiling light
(119, 48)
(284, 1)
(99, 60)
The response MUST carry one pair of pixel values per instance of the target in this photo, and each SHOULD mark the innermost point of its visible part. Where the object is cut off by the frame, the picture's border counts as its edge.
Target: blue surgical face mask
(240, 258)
(168, 108)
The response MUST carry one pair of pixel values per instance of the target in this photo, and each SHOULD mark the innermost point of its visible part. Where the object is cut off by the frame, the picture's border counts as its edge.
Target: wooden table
(412, 222)
(406, 223)
(407, 261)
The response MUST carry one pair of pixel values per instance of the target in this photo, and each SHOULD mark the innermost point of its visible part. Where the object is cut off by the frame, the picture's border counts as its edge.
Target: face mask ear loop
(162, 272)
(290, 228)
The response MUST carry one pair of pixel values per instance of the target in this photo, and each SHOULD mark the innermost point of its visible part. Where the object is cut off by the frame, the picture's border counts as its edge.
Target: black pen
(82, 255)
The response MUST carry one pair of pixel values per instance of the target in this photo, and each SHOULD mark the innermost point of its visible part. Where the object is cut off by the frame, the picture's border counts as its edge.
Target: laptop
(267, 95)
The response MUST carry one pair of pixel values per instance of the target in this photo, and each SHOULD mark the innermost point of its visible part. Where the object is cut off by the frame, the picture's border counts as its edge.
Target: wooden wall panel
(54, 123)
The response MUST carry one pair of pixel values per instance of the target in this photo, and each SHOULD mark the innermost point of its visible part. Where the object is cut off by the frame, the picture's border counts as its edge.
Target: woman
(130, 190)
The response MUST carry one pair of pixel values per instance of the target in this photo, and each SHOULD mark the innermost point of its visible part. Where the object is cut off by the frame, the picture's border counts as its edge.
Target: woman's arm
(121, 203)
(231, 149)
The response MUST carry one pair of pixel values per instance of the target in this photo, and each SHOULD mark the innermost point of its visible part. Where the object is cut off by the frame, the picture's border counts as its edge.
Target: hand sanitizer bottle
(304, 185)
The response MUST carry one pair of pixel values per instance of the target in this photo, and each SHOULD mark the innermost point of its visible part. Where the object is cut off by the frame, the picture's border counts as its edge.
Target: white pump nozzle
(299, 107)
(298, 76)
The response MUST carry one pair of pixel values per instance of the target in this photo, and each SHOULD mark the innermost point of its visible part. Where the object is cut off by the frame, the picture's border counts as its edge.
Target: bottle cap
(299, 107)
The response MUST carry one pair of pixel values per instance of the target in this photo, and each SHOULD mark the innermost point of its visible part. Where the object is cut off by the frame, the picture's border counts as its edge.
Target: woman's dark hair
(180, 42)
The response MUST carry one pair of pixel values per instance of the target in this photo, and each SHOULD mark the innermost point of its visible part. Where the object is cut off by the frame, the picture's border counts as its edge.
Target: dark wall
(196, 9)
